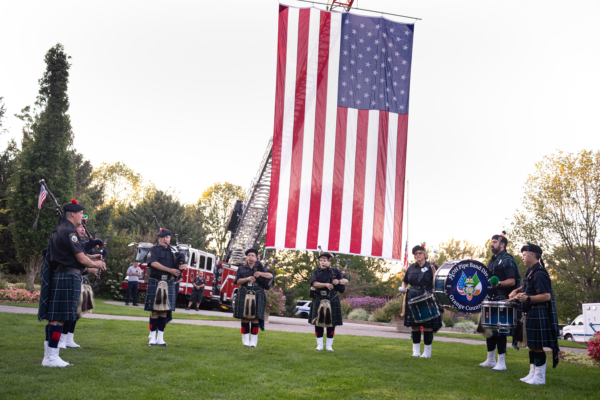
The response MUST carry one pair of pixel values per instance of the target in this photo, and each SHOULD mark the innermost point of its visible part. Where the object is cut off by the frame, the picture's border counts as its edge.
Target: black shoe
(197, 309)
(163, 345)
(136, 305)
(187, 308)
(152, 345)
(126, 304)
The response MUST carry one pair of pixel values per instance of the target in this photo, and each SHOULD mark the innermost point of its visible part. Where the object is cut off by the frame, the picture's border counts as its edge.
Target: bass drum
(462, 285)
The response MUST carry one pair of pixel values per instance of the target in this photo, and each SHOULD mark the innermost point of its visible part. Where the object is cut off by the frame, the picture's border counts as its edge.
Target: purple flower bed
(367, 303)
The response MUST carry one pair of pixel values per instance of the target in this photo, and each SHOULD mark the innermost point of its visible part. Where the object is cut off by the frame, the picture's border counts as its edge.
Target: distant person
(198, 291)
(134, 273)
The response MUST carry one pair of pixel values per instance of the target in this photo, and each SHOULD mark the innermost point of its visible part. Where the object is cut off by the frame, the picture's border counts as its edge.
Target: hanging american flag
(339, 143)
(42, 197)
(406, 254)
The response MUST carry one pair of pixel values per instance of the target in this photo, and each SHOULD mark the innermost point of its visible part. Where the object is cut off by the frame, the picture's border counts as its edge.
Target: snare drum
(424, 308)
(498, 315)
(462, 285)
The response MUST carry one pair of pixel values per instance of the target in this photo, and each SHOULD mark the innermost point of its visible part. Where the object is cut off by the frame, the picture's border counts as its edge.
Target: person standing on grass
(420, 278)
(64, 263)
(198, 291)
(541, 322)
(253, 280)
(160, 294)
(134, 273)
(327, 283)
(504, 268)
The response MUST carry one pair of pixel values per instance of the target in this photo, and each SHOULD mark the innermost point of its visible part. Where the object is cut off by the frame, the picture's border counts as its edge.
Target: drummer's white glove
(401, 289)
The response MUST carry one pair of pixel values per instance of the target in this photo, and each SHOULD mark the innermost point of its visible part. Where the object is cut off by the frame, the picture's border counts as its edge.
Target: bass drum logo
(462, 285)
(469, 286)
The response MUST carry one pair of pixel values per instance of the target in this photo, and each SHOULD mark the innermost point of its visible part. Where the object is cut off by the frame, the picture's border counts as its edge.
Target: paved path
(281, 324)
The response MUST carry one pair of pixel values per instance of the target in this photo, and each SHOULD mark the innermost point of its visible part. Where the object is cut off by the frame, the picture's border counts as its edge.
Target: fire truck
(247, 222)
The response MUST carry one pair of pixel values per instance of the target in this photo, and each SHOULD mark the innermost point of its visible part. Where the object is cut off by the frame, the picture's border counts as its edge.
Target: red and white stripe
(338, 173)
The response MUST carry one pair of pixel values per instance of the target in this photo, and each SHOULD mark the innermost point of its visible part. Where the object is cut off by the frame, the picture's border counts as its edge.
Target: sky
(183, 92)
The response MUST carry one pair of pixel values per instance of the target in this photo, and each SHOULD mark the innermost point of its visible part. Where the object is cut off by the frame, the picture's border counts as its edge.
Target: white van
(585, 325)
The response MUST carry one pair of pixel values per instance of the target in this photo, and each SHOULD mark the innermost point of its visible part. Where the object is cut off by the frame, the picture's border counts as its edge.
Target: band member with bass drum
(505, 278)
(326, 310)
(251, 301)
(164, 266)
(541, 323)
(64, 264)
(420, 278)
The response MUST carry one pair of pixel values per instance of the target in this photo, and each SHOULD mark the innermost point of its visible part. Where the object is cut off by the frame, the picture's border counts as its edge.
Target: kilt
(336, 308)
(539, 328)
(196, 296)
(409, 321)
(64, 297)
(261, 303)
(151, 294)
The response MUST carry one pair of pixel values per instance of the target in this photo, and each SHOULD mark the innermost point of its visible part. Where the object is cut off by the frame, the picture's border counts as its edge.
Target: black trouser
(132, 287)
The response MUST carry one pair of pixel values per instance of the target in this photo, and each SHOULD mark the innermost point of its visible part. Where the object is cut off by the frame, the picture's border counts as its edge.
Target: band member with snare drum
(326, 310)
(505, 278)
(420, 278)
(64, 263)
(251, 300)
(160, 294)
(541, 322)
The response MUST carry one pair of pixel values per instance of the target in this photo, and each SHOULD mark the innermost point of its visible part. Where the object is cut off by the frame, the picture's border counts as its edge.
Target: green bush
(448, 321)
(379, 315)
(465, 325)
(393, 307)
(359, 314)
(346, 308)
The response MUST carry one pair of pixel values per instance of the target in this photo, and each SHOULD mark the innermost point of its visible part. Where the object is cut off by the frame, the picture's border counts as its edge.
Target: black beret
(73, 206)
(501, 238)
(419, 247)
(327, 255)
(534, 248)
(164, 232)
(252, 251)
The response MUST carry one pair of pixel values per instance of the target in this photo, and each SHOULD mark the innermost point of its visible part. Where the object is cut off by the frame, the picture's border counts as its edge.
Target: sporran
(161, 300)
(324, 315)
(249, 305)
(86, 300)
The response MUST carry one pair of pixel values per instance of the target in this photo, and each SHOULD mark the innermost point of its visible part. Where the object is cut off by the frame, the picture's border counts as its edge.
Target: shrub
(3, 284)
(346, 307)
(367, 303)
(275, 301)
(393, 307)
(465, 325)
(379, 315)
(359, 314)
(594, 348)
(448, 321)
(115, 287)
(19, 296)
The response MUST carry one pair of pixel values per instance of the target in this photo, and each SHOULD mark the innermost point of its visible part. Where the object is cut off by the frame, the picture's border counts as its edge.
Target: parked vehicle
(303, 308)
(585, 325)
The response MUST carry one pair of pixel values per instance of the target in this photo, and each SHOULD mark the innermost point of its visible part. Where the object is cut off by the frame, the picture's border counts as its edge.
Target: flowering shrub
(275, 301)
(367, 303)
(594, 349)
(115, 287)
(19, 296)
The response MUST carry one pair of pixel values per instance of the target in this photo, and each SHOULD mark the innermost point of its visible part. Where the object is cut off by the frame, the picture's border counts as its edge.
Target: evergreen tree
(46, 155)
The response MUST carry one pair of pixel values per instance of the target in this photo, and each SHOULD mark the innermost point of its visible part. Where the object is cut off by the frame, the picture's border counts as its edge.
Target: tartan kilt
(151, 294)
(336, 309)
(261, 302)
(409, 321)
(64, 297)
(539, 328)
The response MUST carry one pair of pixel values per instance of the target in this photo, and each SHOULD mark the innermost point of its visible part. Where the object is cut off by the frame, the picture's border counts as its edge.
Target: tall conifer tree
(46, 155)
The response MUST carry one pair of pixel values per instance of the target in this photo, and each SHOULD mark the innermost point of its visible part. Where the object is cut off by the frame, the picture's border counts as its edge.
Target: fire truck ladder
(252, 218)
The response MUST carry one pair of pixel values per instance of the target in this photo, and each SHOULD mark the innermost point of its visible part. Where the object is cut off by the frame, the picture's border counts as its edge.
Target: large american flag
(339, 143)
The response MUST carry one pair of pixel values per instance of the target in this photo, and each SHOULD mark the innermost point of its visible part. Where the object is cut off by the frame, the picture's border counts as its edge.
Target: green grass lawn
(100, 307)
(562, 343)
(210, 362)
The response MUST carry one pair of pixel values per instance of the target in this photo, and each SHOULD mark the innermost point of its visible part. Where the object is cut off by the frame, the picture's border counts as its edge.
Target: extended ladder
(248, 222)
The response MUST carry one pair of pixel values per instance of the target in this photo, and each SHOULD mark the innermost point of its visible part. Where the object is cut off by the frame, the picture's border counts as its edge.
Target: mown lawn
(210, 362)
(561, 343)
(101, 308)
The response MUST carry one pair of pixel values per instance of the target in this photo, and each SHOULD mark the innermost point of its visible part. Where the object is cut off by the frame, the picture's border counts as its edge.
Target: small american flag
(406, 254)
(42, 197)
